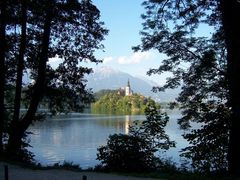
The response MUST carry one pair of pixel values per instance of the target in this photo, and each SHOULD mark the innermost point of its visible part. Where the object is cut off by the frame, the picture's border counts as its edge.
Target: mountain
(108, 78)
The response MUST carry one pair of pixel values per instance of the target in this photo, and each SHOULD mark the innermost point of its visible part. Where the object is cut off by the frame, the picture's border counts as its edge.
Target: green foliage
(34, 33)
(115, 103)
(66, 165)
(134, 152)
(208, 151)
(103, 92)
(23, 155)
(75, 33)
(152, 129)
(198, 64)
(125, 153)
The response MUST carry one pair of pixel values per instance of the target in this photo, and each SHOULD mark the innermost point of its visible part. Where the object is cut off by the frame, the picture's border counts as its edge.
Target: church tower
(128, 91)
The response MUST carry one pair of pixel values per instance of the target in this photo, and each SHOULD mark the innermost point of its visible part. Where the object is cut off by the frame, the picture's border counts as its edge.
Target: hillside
(108, 78)
(114, 103)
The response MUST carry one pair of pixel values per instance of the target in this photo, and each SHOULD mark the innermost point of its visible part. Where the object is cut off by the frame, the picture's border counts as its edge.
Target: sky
(123, 20)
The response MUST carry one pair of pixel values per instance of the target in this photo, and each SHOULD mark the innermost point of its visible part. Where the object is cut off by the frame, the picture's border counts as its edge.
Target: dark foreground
(20, 173)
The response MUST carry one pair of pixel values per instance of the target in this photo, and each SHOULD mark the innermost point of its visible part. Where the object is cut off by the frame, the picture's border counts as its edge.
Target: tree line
(114, 103)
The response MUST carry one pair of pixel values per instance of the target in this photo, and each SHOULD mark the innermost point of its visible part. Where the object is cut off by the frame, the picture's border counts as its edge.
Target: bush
(135, 151)
(126, 153)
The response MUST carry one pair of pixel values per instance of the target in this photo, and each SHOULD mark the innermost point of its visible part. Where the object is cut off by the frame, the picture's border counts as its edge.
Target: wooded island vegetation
(111, 102)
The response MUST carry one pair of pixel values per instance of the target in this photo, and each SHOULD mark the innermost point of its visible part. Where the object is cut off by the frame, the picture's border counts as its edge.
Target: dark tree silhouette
(135, 152)
(2, 67)
(206, 68)
(34, 32)
(230, 10)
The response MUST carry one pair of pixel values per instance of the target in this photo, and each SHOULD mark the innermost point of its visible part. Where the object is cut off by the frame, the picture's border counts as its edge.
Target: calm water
(76, 137)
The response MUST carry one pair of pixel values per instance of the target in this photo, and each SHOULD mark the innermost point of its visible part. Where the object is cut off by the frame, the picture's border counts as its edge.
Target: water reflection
(76, 137)
(127, 124)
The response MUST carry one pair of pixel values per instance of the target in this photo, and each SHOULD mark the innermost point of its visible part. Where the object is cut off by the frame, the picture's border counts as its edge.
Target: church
(126, 91)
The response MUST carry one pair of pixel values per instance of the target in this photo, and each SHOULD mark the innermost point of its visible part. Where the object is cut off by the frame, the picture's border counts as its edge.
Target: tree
(2, 67)
(134, 152)
(37, 31)
(230, 10)
(206, 68)
(99, 94)
(112, 102)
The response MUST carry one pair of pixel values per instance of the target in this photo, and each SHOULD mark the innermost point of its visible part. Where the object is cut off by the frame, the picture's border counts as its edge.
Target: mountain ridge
(109, 78)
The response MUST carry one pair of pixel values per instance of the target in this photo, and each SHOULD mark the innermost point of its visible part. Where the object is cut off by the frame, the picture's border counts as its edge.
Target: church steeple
(128, 91)
(128, 83)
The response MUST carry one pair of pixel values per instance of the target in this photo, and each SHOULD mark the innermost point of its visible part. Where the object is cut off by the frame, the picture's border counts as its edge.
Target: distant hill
(108, 78)
(114, 103)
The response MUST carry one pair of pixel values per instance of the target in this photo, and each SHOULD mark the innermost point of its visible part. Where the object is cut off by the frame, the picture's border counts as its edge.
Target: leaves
(134, 152)
(70, 30)
(112, 102)
(198, 65)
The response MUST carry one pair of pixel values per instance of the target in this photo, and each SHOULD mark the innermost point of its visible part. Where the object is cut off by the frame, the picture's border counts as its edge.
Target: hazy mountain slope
(108, 78)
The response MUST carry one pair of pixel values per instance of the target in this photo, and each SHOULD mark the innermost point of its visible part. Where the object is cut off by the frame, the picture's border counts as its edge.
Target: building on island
(126, 91)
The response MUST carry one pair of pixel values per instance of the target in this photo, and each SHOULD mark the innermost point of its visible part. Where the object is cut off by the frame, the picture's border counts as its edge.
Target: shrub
(135, 151)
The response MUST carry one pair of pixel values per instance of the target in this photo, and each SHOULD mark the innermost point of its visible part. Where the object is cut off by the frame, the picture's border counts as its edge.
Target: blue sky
(123, 20)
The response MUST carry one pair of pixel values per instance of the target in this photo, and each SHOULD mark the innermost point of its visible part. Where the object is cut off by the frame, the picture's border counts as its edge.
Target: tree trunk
(20, 63)
(2, 69)
(15, 125)
(18, 128)
(230, 14)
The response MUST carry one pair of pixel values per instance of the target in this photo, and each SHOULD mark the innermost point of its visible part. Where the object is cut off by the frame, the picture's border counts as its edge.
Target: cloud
(135, 58)
(107, 60)
(54, 62)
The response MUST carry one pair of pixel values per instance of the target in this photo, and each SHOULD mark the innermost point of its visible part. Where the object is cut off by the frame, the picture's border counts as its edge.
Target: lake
(76, 137)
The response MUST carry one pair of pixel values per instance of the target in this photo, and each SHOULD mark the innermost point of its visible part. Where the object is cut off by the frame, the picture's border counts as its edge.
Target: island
(120, 101)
